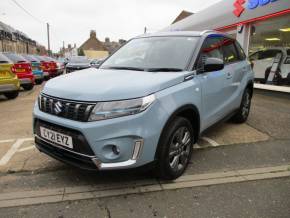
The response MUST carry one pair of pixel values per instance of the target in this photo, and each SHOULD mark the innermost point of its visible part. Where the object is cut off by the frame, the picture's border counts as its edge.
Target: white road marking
(13, 149)
(7, 140)
(210, 141)
(5, 159)
(26, 149)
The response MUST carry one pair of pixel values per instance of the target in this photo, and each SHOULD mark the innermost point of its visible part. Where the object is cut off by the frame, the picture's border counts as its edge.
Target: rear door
(212, 83)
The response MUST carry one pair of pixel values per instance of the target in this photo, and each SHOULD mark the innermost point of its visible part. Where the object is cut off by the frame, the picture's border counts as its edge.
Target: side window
(269, 54)
(210, 48)
(241, 53)
(230, 51)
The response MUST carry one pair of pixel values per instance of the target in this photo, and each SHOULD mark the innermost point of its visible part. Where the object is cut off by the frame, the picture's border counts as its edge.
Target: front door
(212, 83)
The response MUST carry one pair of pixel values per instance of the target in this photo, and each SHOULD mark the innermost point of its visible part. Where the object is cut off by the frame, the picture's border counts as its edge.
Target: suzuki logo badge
(58, 107)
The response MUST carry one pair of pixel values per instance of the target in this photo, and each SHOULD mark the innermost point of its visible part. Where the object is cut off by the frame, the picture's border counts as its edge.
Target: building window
(269, 43)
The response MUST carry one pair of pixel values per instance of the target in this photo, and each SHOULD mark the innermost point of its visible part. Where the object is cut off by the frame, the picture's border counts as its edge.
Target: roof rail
(206, 31)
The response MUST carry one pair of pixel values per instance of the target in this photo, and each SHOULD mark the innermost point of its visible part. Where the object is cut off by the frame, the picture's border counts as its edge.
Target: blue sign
(253, 4)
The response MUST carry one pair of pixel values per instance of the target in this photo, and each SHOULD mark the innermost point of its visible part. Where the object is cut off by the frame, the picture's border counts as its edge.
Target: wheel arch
(189, 112)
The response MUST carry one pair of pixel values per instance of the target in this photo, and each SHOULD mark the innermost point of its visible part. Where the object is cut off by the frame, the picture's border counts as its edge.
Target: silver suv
(147, 103)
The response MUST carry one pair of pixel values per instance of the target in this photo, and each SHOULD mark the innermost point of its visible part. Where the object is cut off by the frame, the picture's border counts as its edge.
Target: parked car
(96, 63)
(263, 60)
(22, 68)
(44, 65)
(9, 82)
(54, 71)
(36, 68)
(147, 103)
(48, 67)
(77, 63)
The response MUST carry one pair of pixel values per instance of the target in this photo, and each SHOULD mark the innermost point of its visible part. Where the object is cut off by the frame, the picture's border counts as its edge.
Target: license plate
(56, 137)
(4, 74)
(20, 70)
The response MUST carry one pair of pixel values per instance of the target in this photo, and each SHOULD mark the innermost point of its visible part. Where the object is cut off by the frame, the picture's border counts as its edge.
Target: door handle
(229, 75)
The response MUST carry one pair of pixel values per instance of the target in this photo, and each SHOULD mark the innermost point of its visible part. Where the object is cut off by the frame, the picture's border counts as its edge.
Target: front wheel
(242, 114)
(28, 87)
(175, 149)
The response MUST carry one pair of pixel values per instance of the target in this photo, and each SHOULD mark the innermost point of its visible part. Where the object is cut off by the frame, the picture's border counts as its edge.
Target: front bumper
(136, 137)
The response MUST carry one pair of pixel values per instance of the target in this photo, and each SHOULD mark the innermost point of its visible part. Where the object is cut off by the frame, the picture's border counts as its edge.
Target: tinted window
(288, 52)
(211, 48)
(230, 51)
(241, 53)
(269, 54)
(80, 59)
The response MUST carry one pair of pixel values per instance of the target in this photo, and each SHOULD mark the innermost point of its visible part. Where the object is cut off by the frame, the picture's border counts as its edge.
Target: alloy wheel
(179, 150)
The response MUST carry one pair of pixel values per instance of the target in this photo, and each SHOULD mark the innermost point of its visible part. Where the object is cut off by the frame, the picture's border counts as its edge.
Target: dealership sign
(240, 6)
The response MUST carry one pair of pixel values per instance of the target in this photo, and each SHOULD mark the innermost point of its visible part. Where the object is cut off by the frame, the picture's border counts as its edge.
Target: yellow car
(9, 83)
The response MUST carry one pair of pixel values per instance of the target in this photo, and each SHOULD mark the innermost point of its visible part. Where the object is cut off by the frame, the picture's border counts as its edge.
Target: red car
(48, 65)
(22, 69)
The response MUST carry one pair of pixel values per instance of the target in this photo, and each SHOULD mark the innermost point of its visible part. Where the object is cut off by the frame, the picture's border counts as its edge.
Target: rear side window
(269, 54)
(211, 48)
(288, 52)
(230, 51)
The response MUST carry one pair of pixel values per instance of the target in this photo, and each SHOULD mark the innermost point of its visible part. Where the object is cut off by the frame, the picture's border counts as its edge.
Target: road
(236, 171)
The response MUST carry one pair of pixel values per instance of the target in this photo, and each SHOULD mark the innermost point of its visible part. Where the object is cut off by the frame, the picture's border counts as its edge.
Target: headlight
(113, 109)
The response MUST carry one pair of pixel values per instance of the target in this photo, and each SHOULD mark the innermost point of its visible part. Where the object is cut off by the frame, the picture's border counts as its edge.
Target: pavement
(236, 171)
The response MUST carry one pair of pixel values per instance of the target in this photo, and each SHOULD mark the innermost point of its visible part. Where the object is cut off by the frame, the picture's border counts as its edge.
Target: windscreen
(154, 52)
(79, 59)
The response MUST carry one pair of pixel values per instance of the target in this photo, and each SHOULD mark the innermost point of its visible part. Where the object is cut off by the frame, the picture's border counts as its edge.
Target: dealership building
(256, 24)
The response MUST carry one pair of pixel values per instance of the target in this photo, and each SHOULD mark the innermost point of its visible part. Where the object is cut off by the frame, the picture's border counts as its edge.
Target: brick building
(12, 40)
(94, 48)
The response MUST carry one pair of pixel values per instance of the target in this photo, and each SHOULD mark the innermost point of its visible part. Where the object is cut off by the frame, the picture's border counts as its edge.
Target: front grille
(72, 110)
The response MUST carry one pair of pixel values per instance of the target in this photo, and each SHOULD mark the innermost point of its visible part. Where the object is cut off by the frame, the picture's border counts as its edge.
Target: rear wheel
(175, 149)
(242, 115)
(11, 95)
(27, 87)
(38, 81)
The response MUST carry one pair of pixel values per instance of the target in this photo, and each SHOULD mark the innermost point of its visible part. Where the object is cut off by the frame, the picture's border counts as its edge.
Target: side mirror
(213, 64)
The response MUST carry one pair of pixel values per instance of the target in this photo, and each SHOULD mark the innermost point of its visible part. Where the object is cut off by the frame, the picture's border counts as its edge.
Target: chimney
(107, 40)
(93, 34)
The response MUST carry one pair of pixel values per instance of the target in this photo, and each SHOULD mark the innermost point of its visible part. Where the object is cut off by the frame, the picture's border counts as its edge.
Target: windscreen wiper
(164, 69)
(125, 68)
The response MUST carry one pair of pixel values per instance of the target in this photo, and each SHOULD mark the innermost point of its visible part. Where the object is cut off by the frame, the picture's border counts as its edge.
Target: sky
(71, 20)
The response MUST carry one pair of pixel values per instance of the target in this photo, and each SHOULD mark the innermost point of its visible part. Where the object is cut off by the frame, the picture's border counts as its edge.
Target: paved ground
(219, 158)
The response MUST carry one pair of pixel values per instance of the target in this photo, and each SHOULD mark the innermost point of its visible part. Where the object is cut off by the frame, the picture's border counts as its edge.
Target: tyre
(27, 87)
(11, 95)
(242, 115)
(174, 149)
(38, 81)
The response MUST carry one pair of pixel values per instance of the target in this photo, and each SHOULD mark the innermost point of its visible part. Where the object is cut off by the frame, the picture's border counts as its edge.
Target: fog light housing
(116, 149)
(137, 148)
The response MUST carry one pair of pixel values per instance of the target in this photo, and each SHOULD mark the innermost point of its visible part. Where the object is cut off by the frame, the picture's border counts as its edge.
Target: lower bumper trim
(113, 166)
